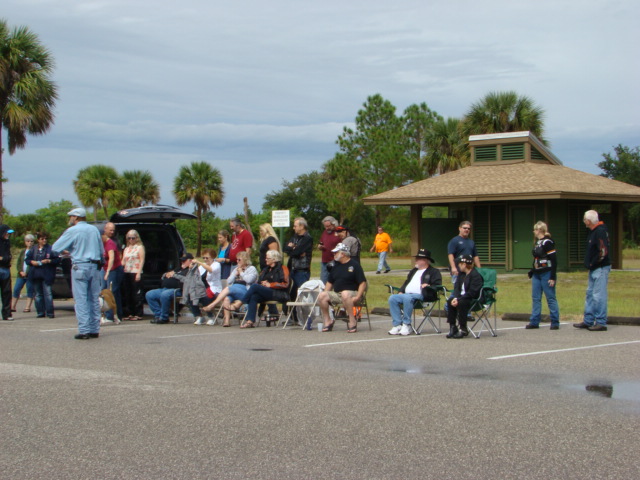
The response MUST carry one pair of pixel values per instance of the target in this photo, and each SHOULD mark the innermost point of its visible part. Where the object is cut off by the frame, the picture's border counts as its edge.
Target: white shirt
(415, 283)
(213, 277)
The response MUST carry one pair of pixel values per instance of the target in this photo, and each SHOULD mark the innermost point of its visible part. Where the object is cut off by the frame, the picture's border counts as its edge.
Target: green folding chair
(482, 306)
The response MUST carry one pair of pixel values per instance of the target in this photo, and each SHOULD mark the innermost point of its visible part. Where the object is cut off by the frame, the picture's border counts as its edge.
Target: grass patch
(514, 290)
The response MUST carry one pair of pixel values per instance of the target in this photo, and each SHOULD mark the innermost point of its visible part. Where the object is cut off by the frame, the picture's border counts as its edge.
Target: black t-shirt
(346, 276)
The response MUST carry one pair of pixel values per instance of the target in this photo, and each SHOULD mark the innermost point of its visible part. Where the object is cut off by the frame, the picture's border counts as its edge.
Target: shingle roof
(512, 181)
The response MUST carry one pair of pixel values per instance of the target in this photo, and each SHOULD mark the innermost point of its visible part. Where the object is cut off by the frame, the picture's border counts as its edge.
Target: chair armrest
(391, 288)
(439, 289)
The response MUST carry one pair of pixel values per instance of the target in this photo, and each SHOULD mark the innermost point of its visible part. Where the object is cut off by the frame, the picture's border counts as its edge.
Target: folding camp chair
(481, 307)
(306, 303)
(428, 308)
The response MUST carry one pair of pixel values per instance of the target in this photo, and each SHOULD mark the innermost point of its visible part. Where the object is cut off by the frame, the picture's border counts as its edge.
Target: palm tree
(500, 112)
(99, 186)
(202, 184)
(446, 147)
(27, 94)
(140, 188)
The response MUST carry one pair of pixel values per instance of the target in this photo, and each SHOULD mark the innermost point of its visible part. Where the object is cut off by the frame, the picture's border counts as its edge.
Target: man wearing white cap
(346, 284)
(84, 243)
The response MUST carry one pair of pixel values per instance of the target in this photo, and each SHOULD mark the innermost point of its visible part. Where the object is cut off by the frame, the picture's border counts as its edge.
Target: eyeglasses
(466, 228)
(206, 258)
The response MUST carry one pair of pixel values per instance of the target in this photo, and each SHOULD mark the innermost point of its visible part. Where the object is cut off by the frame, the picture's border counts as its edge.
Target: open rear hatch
(151, 214)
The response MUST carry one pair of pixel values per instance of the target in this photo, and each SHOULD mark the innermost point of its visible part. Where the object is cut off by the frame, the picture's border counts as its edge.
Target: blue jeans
(44, 298)
(160, 301)
(298, 277)
(595, 305)
(382, 261)
(255, 296)
(19, 285)
(324, 273)
(236, 292)
(86, 283)
(540, 285)
(115, 280)
(401, 307)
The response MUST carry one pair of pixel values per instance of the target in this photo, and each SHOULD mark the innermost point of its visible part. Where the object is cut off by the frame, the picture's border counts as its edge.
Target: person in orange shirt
(382, 246)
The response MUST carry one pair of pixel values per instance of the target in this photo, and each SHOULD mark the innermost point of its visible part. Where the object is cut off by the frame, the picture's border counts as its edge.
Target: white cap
(341, 247)
(77, 212)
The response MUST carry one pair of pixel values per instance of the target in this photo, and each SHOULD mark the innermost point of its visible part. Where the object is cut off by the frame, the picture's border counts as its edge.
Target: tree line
(382, 151)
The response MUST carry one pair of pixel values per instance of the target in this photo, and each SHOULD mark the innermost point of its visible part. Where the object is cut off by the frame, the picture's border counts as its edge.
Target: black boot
(463, 332)
(453, 331)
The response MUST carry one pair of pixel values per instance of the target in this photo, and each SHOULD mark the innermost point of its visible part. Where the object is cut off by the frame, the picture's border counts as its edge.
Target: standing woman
(42, 273)
(543, 277)
(224, 242)
(268, 241)
(22, 268)
(133, 262)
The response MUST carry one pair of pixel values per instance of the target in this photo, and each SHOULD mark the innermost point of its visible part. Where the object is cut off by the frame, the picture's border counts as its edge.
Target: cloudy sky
(262, 89)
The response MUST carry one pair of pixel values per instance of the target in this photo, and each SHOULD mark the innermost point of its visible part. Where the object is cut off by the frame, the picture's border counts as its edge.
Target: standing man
(299, 249)
(241, 241)
(5, 271)
(84, 243)
(461, 244)
(382, 246)
(597, 261)
(415, 287)
(328, 241)
(113, 269)
(347, 285)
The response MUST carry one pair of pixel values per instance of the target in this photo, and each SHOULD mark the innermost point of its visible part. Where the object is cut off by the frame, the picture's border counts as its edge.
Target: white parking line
(390, 337)
(542, 352)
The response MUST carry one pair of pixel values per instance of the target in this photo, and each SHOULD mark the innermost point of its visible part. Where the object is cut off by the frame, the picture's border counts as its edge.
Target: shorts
(336, 298)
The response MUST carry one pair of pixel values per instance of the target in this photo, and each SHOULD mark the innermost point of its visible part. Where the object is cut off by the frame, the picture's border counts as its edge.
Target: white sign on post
(280, 218)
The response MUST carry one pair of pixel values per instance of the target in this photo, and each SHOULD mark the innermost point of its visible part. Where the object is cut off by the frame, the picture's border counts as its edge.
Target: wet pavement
(180, 401)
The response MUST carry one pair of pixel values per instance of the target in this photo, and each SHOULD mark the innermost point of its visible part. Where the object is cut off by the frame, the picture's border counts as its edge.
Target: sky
(262, 89)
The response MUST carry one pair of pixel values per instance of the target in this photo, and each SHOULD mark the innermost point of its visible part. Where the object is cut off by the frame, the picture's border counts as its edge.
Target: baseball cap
(186, 256)
(464, 259)
(77, 212)
(341, 247)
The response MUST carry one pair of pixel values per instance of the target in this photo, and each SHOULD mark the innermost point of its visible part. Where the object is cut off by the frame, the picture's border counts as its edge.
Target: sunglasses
(206, 258)
(132, 238)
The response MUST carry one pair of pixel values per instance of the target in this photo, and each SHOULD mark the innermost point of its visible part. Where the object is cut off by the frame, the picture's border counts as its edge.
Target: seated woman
(241, 278)
(272, 285)
(210, 274)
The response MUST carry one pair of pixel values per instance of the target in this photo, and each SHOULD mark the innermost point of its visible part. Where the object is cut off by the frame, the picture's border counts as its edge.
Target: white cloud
(262, 89)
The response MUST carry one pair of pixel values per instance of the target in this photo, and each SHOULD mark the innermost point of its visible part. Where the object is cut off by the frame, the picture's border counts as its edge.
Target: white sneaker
(395, 330)
(211, 322)
(199, 321)
(405, 330)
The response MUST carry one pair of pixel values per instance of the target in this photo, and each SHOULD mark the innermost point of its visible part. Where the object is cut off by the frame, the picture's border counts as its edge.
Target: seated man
(346, 284)
(415, 287)
(465, 290)
(161, 299)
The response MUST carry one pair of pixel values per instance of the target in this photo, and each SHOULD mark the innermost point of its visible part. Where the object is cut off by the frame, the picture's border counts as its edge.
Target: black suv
(162, 243)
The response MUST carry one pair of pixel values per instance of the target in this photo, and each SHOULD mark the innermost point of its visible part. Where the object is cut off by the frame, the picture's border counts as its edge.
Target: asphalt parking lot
(180, 401)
